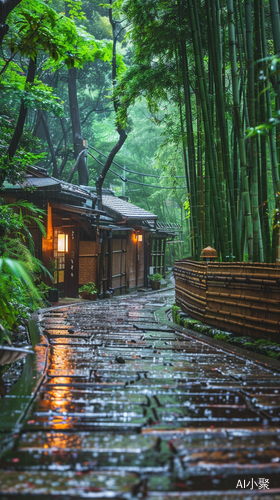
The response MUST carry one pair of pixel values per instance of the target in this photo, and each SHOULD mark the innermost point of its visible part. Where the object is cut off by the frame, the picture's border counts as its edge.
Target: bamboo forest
(177, 101)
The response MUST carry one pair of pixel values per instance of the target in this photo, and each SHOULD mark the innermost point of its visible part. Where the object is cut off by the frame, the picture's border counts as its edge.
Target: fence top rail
(189, 263)
(230, 268)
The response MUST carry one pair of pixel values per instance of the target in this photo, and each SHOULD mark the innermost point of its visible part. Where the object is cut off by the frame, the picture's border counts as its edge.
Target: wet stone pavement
(131, 408)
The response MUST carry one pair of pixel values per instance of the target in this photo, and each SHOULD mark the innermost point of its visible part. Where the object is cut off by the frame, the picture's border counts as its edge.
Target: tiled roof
(47, 181)
(66, 186)
(38, 182)
(116, 206)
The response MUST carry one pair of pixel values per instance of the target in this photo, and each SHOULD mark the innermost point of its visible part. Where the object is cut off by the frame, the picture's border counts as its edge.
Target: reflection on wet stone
(131, 408)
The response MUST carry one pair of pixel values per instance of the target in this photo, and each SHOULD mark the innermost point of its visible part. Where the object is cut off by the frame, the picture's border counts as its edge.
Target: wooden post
(163, 258)
(159, 256)
(278, 244)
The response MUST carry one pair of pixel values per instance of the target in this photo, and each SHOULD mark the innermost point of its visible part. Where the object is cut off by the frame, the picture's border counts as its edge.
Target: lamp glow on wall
(62, 244)
(137, 237)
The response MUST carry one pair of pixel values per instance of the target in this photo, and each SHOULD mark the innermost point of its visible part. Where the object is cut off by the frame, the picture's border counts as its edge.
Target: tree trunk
(76, 126)
(6, 6)
(121, 132)
(108, 163)
(20, 123)
(22, 114)
(50, 144)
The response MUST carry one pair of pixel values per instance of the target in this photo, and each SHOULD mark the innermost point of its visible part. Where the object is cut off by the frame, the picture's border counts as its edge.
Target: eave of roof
(48, 183)
(75, 209)
(117, 207)
(36, 182)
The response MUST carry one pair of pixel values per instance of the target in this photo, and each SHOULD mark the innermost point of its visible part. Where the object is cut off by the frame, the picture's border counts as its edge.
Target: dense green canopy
(182, 96)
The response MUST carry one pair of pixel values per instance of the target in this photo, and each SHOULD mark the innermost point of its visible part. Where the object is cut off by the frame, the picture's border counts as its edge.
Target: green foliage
(89, 287)
(75, 9)
(19, 269)
(35, 27)
(52, 267)
(160, 33)
(56, 41)
(15, 219)
(222, 336)
(143, 80)
(263, 342)
(18, 294)
(175, 310)
(263, 346)
(26, 154)
(273, 354)
(155, 277)
(43, 289)
(39, 27)
(187, 207)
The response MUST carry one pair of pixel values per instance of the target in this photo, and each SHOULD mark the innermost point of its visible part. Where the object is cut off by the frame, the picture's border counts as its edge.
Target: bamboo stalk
(239, 131)
(212, 16)
(190, 140)
(193, 17)
(257, 241)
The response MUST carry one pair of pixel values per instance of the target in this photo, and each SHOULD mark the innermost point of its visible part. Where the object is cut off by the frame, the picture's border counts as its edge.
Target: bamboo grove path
(130, 407)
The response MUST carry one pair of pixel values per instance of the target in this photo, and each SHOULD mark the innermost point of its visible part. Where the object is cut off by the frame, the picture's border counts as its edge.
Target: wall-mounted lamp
(62, 244)
(137, 237)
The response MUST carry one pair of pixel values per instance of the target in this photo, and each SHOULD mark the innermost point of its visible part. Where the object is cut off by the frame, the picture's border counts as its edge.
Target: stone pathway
(132, 408)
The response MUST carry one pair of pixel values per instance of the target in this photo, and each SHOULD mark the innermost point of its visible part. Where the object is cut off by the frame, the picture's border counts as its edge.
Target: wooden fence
(240, 297)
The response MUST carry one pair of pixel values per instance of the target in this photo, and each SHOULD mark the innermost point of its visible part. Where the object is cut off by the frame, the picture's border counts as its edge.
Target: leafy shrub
(89, 287)
(272, 354)
(19, 269)
(261, 342)
(155, 277)
(18, 294)
(222, 336)
(175, 310)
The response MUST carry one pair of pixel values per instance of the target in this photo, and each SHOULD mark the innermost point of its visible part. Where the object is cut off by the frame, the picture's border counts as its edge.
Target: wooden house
(116, 248)
(70, 214)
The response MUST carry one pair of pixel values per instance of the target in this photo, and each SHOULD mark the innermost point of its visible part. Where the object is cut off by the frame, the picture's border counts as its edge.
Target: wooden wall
(122, 261)
(89, 261)
(135, 263)
(118, 261)
(240, 297)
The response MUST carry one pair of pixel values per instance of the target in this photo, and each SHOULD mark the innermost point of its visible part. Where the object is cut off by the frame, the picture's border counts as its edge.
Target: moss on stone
(261, 346)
